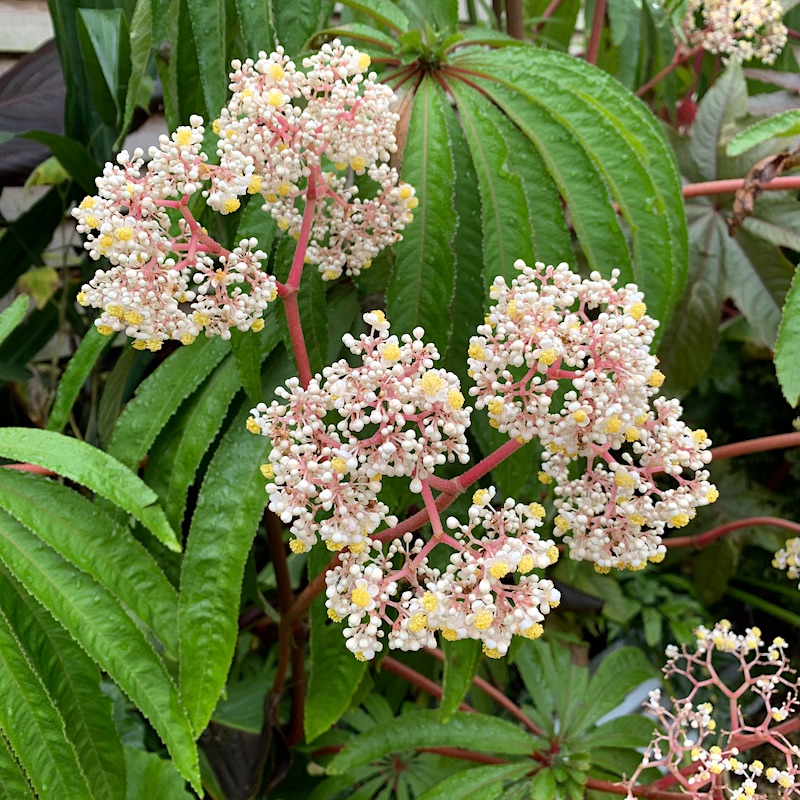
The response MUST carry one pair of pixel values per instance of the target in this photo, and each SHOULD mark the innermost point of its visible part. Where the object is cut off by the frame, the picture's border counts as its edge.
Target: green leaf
(691, 336)
(544, 784)
(775, 219)
(631, 730)
(785, 124)
(295, 22)
(33, 725)
(787, 346)
(73, 156)
(423, 283)
(424, 729)
(507, 233)
(757, 276)
(78, 369)
(159, 396)
(151, 776)
(359, 33)
(141, 44)
(723, 103)
(176, 455)
(12, 316)
(255, 222)
(594, 137)
(460, 665)
(778, 611)
(652, 624)
(258, 29)
(480, 783)
(90, 540)
(105, 45)
(334, 673)
(619, 673)
(73, 681)
(13, 782)
(247, 355)
(230, 505)
(382, 11)
(107, 634)
(92, 468)
(208, 29)
(25, 238)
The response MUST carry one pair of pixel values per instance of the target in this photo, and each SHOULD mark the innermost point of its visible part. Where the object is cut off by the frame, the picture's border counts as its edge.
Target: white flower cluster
(394, 415)
(788, 558)
(487, 591)
(644, 467)
(687, 726)
(286, 133)
(168, 279)
(742, 29)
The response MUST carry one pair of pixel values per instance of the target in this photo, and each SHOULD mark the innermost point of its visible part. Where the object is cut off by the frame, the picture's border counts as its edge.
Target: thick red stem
(418, 680)
(597, 30)
(734, 184)
(760, 445)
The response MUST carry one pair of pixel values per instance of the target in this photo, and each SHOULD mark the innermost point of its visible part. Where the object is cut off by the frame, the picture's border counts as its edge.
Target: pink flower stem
(734, 184)
(288, 291)
(420, 681)
(705, 539)
(483, 467)
(433, 512)
(760, 445)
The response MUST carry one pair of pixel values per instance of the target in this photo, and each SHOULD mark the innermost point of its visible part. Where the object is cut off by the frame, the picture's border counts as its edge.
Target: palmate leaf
(105, 631)
(594, 137)
(422, 286)
(424, 729)
(73, 682)
(84, 536)
(92, 468)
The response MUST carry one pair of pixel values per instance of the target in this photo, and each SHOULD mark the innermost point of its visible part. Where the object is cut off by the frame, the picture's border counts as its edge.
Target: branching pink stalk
(681, 56)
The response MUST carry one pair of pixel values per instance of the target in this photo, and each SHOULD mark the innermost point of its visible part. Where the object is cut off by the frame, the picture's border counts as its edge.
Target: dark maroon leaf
(32, 95)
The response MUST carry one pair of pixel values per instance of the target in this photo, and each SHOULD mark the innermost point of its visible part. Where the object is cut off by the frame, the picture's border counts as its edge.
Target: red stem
(418, 680)
(760, 445)
(705, 539)
(466, 755)
(497, 696)
(681, 57)
(734, 184)
(546, 14)
(298, 340)
(597, 30)
(285, 598)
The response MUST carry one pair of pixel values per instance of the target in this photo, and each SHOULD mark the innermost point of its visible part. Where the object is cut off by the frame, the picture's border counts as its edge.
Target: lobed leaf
(78, 369)
(79, 532)
(92, 468)
(787, 346)
(105, 631)
(424, 729)
(507, 233)
(73, 681)
(334, 672)
(422, 286)
(598, 134)
(33, 726)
